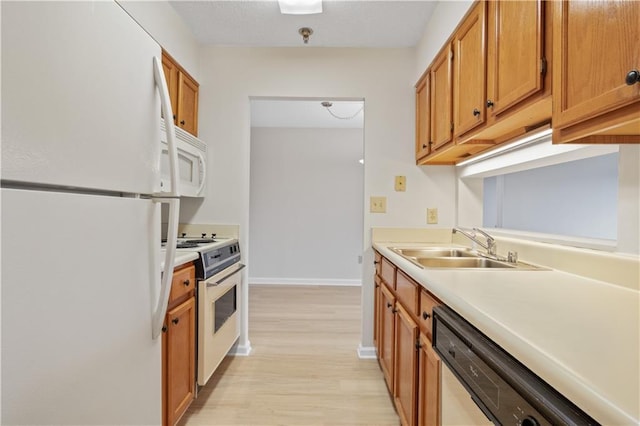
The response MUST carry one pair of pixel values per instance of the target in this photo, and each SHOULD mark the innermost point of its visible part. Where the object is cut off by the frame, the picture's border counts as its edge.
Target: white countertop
(580, 335)
(182, 256)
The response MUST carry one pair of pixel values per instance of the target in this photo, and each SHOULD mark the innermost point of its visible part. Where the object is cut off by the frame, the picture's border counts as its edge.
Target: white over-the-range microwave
(192, 163)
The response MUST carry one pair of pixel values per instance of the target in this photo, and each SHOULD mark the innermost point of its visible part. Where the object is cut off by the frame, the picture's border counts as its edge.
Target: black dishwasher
(505, 390)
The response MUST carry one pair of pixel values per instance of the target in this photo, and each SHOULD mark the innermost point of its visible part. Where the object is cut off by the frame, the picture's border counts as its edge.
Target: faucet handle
(512, 257)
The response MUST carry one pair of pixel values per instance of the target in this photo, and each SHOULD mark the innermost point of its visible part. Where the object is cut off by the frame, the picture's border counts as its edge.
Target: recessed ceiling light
(300, 7)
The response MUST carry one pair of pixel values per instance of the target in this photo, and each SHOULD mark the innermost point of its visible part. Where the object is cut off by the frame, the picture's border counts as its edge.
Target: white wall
(629, 199)
(163, 23)
(384, 78)
(445, 18)
(306, 205)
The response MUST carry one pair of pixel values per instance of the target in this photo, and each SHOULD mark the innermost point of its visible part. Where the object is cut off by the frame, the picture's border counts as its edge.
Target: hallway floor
(304, 369)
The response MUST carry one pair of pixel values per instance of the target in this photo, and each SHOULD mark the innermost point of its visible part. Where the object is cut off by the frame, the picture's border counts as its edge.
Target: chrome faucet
(489, 245)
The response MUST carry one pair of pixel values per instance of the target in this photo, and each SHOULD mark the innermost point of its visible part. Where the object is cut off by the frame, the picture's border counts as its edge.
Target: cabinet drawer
(425, 316)
(184, 282)
(388, 273)
(407, 292)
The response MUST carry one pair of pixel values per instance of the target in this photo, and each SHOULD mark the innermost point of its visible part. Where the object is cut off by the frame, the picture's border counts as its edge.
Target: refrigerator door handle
(169, 263)
(172, 147)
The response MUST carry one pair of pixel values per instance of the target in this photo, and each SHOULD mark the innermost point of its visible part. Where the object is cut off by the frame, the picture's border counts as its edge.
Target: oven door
(218, 319)
(192, 164)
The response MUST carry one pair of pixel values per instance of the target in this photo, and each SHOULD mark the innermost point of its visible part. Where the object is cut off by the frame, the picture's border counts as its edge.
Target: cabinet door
(469, 48)
(180, 359)
(429, 385)
(387, 325)
(376, 312)
(515, 53)
(188, 104)
(406, 367)
(171, 75)
(441, 78)
(595, 46)
(423, 116)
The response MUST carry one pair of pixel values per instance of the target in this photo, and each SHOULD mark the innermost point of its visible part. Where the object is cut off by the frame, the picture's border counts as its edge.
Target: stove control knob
(213, 236)
(529, 421)
(184, 234)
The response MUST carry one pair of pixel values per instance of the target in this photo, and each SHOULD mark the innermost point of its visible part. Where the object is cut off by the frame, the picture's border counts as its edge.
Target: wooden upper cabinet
(596, 47)
(516, 53)
(171, 75)
(441, 99)
(188, 104)
(183, 91)
(423, 116)
(469, 49)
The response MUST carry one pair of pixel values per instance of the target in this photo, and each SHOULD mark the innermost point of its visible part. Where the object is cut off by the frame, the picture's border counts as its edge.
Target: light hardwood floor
(304, 369)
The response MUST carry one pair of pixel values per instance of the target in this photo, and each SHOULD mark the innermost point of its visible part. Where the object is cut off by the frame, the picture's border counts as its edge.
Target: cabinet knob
(476, 112)
(375, 262)
(175, 320)
(425, 315)
(424, 146)
(388, 305)
(489, 103)
(394, 310)
(633, 77)
(164, 328)
(182, 122)
(186, 283)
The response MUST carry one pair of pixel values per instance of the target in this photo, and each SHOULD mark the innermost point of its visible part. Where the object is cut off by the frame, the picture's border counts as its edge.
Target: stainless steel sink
(435, 252)
(462, 262)
(457, 257)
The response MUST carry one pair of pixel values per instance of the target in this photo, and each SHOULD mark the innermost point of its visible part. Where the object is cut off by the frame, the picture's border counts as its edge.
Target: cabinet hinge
(543, 66)
(452, 127)
(418, 346)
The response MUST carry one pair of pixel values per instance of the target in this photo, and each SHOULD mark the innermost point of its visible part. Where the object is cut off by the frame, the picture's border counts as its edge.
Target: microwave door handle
(165, 102)
(160, 311)
(203, 174)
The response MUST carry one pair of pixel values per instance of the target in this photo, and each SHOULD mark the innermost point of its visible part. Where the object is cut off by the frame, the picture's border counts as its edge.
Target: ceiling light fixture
(328, 106)
(305, 32)
(300, 7)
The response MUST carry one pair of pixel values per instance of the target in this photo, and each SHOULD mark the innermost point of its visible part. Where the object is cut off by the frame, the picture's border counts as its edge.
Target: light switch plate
(401, 183)
(378, 205)
(432, 216)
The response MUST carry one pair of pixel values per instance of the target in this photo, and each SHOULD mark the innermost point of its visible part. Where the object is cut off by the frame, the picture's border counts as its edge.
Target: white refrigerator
(83, 295)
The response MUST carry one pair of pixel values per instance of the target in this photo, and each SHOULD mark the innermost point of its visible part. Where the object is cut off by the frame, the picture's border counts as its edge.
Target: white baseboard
(240, 350)
(305, 281)
(366, 352)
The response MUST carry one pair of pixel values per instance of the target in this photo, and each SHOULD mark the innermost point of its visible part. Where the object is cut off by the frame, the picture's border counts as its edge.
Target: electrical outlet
(432, 215)
(401, 183)
(378, 205)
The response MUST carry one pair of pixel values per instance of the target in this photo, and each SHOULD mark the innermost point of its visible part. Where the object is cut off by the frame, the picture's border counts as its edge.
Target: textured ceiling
(353, 23)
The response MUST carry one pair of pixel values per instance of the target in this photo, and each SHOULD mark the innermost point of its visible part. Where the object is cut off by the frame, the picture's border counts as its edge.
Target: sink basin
(461, 262)
(434, 252)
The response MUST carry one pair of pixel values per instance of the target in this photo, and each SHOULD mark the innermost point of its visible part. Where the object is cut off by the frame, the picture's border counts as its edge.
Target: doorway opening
(306, 191)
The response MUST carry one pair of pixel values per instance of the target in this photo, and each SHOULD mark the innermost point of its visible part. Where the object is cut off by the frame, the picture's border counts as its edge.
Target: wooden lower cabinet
(406, 362)
(386, 335)
(179, 346)
(410, 366)
(429, 384)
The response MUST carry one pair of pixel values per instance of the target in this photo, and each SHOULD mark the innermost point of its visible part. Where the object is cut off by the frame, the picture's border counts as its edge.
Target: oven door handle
(229, 275)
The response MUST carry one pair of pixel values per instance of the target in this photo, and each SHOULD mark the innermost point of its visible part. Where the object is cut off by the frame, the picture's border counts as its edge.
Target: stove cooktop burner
(187, 244)
(201, 241)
